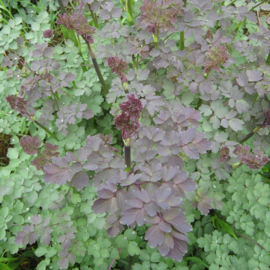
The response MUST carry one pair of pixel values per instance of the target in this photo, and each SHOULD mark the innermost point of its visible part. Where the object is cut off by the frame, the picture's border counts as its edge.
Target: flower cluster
(216, 55)
(78, 23)
(128, 120)
(255, 161)
(118, 66)
(224, 153)
(159, 14)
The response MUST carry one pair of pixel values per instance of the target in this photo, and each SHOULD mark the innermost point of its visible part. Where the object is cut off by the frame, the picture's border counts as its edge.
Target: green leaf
(133, 249)
(41, 251)
(196, 260)
(4, 210)
(2, 233)
(4, 267)
(155, 257)
(12, 153)
(35, 26)
(130, 234)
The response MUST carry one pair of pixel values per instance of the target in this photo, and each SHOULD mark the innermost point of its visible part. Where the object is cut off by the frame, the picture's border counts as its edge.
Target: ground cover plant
(135, 133)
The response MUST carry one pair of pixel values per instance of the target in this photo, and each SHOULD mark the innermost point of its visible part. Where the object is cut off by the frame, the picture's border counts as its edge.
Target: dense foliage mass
(140, 133)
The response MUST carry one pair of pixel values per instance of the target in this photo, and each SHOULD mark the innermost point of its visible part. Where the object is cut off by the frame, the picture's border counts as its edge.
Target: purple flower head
(161, 14)
(17, 103)
(216, 55)
(76, 22)
(48, 33)
(224, 153)
(90, 39)
(152, 28)
(255, 161)
(132, 107)
(118, 66)
(128, 120)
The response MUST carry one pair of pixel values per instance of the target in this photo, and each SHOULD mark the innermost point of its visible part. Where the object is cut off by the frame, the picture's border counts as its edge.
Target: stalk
(127, 143)
(94, 61)
(238, 26)
(258, 5)
(156, 37)
(182, 34)
(62, 6)
(129, 10)
(40, 125)
(251, 134)
(94, 17)
(182, 41)
(268, 59)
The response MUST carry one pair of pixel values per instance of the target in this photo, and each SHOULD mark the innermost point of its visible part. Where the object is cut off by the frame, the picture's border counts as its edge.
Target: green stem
(127, 156)
(258, 5)
(94, 61)
(94, 17)
(251, 134)
(61, 6)
(236, 165)
(49, 132)
(182, 41)
(156, 37)
(238, 26)
(129, 10)
(268, 59)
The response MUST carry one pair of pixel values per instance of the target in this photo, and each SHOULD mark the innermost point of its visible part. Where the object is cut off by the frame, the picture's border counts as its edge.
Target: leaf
(254, 75)
(41, 251)
(12, 153)
(80, 180)
(56, 175)
(196, 260)
(236, 124)
(226, 227)
(242, 106)
(142, 74)
(133, 249)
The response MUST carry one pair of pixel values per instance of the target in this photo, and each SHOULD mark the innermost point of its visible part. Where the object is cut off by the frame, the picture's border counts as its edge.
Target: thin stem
(238, 26)
(268, 59)
(251, 134)
(93, 57)
(182, 35)
(94, 17)
(130, 263)
(62, 6)
(49, 132)
(182, 41)
(258, 5)
(55, 99)
(112, 262)
(252, 241)
(129, 11)
(127, 156)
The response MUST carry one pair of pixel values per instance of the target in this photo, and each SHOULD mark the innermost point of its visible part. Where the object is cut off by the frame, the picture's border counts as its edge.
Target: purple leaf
(56, 175)
(30, 145)
(154, 236)
(236, 124)
(164, 226)
(105, 206)
(63, 263)
(254, 75)
(130, 216)
(80, 180)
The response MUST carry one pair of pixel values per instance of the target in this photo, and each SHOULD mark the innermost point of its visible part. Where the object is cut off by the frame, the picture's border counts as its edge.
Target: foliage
(129, 153)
